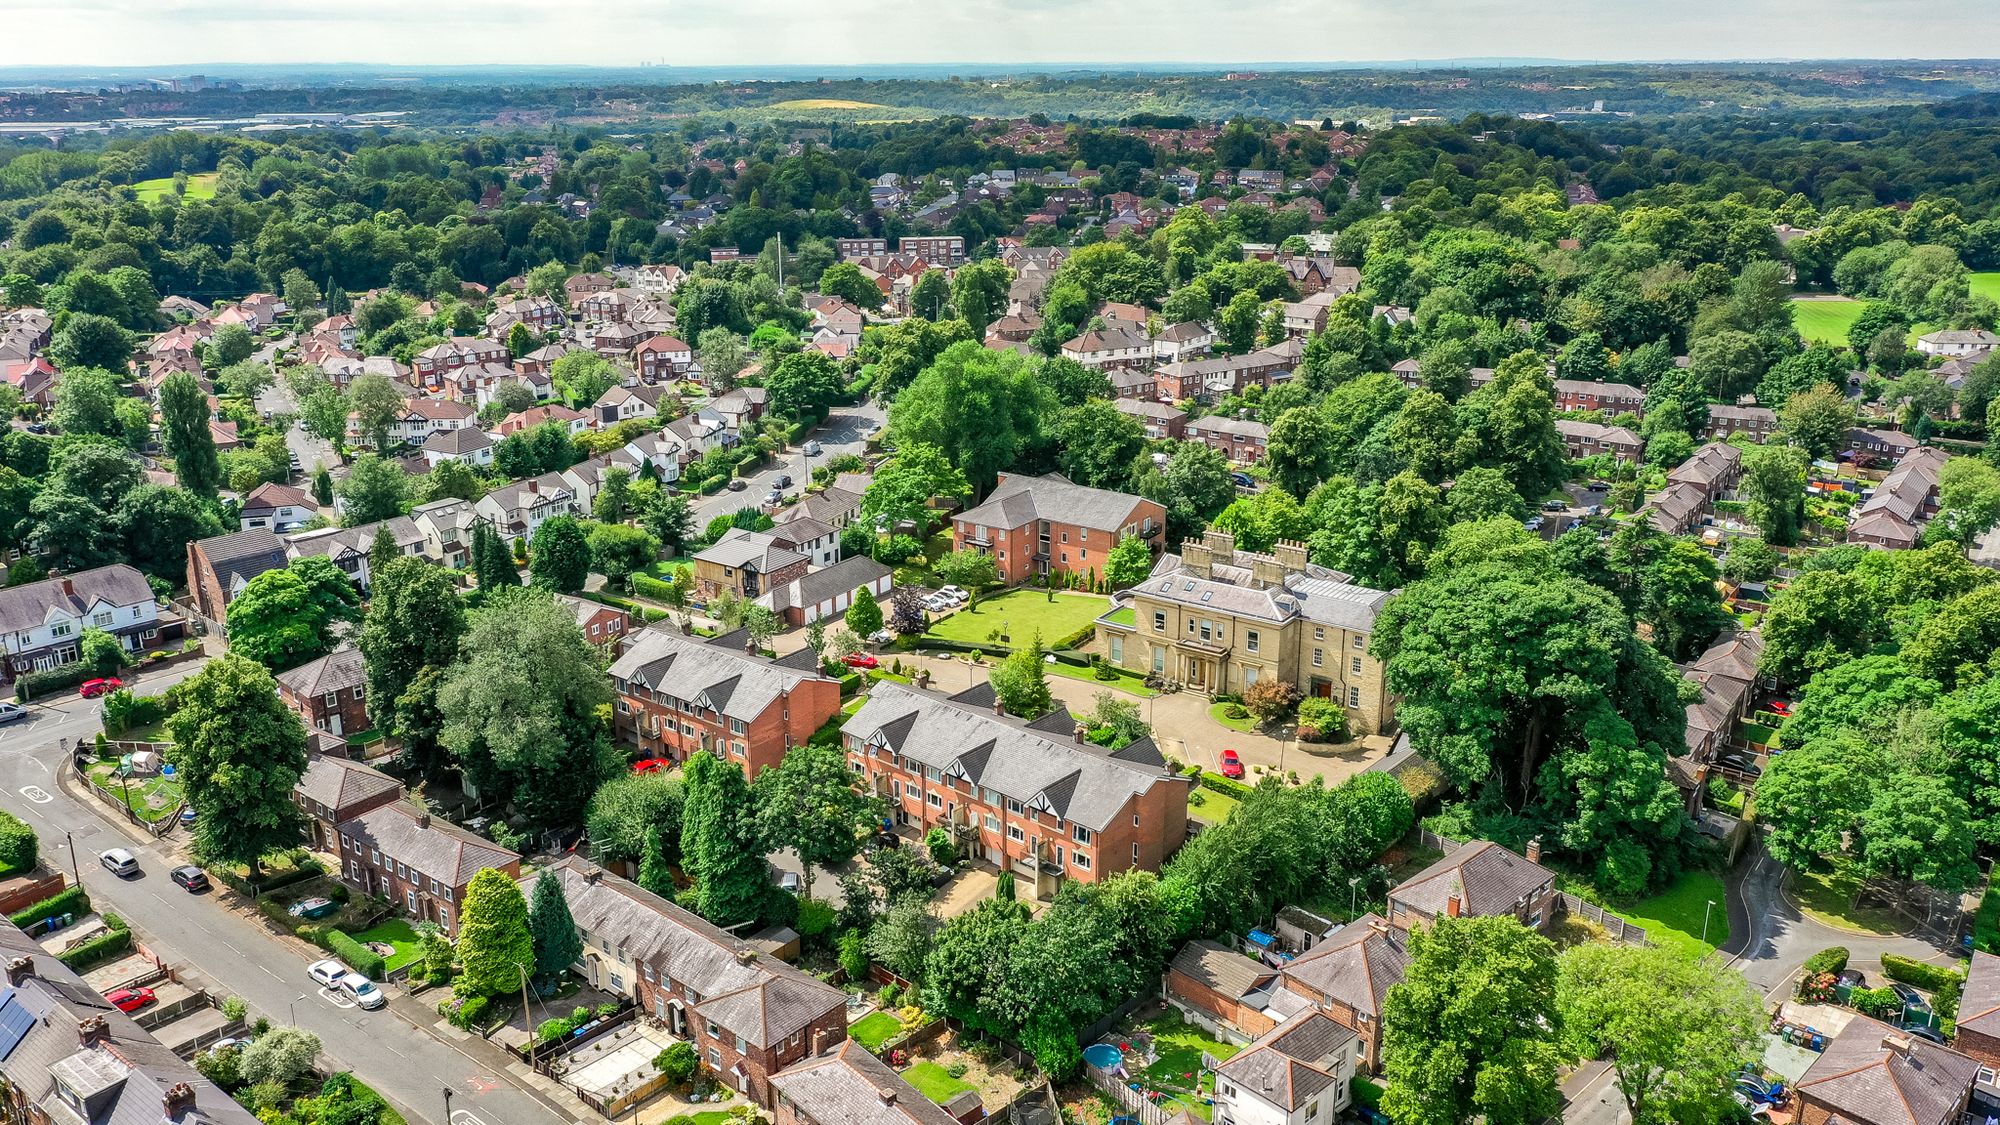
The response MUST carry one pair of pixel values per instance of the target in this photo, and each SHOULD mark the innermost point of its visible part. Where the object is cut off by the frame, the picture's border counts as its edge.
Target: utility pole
(76, 872)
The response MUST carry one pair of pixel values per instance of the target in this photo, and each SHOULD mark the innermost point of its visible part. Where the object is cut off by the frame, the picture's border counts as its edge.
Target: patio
(617, 1069)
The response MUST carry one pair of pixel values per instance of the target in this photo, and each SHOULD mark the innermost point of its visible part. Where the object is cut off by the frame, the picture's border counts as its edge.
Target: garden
(1015, 617)
(1176, 1058)
(151, 797)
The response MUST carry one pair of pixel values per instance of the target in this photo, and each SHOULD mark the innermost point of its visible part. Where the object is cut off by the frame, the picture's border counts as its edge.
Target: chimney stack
(90, 1032)
(591, 875)
(750, 643)
(1081, 733)
(1292, 555)
(887, 1094)
(180, 1099)
(68, 587)
(997, 708)
(1221, 544)
(1896, 1044)
(1535, 850)
(1454, 903)
(20, 969)
(423, 820)
(1196, 561)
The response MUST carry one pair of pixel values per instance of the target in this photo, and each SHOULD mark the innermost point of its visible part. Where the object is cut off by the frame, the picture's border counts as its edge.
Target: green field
(200, 186)
(1020, 614)
(1987, 285)
(1674, 916)
(826, 103)
(1826, 321)
(400, 936)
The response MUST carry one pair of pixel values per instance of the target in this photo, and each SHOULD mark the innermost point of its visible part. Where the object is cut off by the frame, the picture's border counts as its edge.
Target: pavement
(398, 1051)
(845, 431)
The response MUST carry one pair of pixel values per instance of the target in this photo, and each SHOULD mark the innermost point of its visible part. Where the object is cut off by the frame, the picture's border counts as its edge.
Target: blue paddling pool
(1103, 1056)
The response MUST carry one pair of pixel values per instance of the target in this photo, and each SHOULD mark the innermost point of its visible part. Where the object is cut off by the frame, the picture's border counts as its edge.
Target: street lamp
(447, 1105)
(521, 968)
(1704, 920)
(1353, 891)
(292, 1007)
(76, 873)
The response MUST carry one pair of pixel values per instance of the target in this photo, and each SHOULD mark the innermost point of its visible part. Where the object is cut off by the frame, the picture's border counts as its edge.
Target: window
(1082, 860)
(1013, 806)
(1360, 642)
(1014, 832)
(1135, 847)
(1250, 639)
(60, 629)
(1159, 661)
(1354, 697)
(1083, 553)
(410, 900)
(936, 801)
(100, 618)
(1159, 620)
(1080, 834)
(1319, 633)
(1135, 820)
(1249, 678)
(1319, 657)
(992, 823)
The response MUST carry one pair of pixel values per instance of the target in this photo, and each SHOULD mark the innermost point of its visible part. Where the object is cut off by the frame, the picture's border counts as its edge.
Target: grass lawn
(200, 186)
(1219, 712)
(1121, 617)
(396, 933)
(1179, 1049)
(1673, 917)
(1020, 614)
(1986, 284)
(705, 1117)
(1214, 808)
(875, 1029)
(935, 1082)
(153, 798)
(1829, 899)
(1759, 734)
(1124, 681)
(666, 569)
(1826, 320)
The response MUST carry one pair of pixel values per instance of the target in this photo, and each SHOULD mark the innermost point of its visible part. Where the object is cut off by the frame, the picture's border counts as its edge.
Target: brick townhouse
(748, 1014)
(420, 864)
(678, 695)
(1239, 439)
(1479, 879)
(934, 249)
(847, 1085)
(1034, 525)
(334, 791)
(329, 694)
(604, 626)
(1032, 798)
(1613, 398)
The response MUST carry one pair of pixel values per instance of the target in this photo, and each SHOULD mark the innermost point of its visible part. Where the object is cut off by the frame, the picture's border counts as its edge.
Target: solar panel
(15, 1020)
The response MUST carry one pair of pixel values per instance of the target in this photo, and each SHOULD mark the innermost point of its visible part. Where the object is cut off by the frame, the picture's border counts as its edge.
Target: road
(278, 399)
(844, 431)
(405, 1063)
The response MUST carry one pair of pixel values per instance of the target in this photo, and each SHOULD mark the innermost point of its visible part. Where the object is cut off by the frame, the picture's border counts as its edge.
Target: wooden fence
(1618, 928)
(1135, 1103)
(80, 764)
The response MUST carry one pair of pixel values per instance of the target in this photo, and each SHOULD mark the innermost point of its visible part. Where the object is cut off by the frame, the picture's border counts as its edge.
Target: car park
(91, 689)
(129, 1000)
(956, 593)
(361, 990)
(1232, 764)
(12, 713)
(120, 862)
(190, 878)
(315, 907)
(327, 972)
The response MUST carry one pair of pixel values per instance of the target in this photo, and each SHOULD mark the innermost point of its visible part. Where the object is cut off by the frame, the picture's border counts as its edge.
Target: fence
(1135, 1103)
(1148, 995)
(79, 763)
(1618, 928)
(1436, 842)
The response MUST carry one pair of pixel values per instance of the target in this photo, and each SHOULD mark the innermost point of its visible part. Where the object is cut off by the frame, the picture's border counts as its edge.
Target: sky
(860, 32)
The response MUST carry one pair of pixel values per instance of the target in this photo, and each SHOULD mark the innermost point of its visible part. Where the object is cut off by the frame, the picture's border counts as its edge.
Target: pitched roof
(270, 496)
(1220, 969)
(1873, 1074)
(826, 583)
(749, 550)
(731, 681)
(340, 783)
(338, 670)
(1019, 500)
(433, 847)
(1356, 965)
(1288, 1065)
(27, 606)
(1489, 880)
(1979, 1003)
(243, 554)
(458, 442)
(850, 1086)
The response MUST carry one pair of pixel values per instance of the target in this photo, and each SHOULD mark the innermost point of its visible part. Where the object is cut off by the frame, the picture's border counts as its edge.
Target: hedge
(1831, 960)
(73, 900)
(310, 869)
(19, 850)
(359, 957)
(101, 948)
(647, 586)
(34, 685)
(1944, 984)
(1226, 785)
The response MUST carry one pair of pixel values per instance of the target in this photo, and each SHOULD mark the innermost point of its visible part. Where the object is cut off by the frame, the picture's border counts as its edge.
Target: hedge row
(1831, 960)
(1226, 785)
(310, 869)
(647, 586)
(359, 957)
(73, 900)
(34, 685)
(1944, 984)
(112, 943)
(19, 849)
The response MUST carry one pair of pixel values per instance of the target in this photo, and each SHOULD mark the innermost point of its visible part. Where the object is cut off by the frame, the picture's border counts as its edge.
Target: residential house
(1587, 439)
(1239, 439)
(1034, 525)
(1479, 879)
(834, 507)
(1875, 1074)
(740, 409)
(219, 568)
(1693, 487)
(1109, 348)
(1957, 341)
(1209, 379)
(1160, 420)
(1301, 1073)
(586, 284)
(540, 314)
(1347, 977)
(749, 1015)
(851, 248)
(1979, 1010)
(446, 526)
(434, 363)
(745, 563)
(420, 864)
(348, 548)
(571, 420)
(946, 250)
(1305, 317)
(826, 593)
(659, 281)
(818, 542)
(515, 510)
(1873, 446)
(1218, 620)
(1612, 398)
(334, 791)
(1034, 798)
(1187, 340)
(329, 694)
(1727, 673)
(539, 361)
(277, 507)
(678, 695)
(1725, 421)
(848, 1085)
(42, 623)
(604, 626)
(618, 338)
(467, 446)
(1895, 514)
(623, 404)
(1133, 384)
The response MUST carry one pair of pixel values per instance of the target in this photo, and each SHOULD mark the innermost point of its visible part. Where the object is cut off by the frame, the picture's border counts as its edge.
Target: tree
(376, 405)
(87, 402)
(1021, 684)
(930, 297)
(1130, 561)
(157, 522)
(239, 751)
(906, 612)
(415, 621)
(655, 874)
(979, 407)
(965, 968)
(846, 281)
(1679, 600)
(89, 340)
(282, 1056)
(802, 384)
(232, 343)
(979, 293)
(1824, 617)
(559, 555)
(1194, 486)
(902, 489)
(1237, 326)
(864, 617)
(1470, 1030)
(1819, 419)
(1677, 1028)
(323, 414)
(70, 531)
(496, 949)
(618, 550)
(552, 928)
(184, 426)
(808, 802)
(625, 808)
(667, 516)
(375, 489)
(283, 618)
(1098, 444)
(614, 496)
(1300, 450)
(1774, 491)
(720, 842)
(524, 711)
(970, 569)
(1749, 560)
(1482, 493)
(902, 940)
(581, 378)
(1726, 363)
(1968, 502)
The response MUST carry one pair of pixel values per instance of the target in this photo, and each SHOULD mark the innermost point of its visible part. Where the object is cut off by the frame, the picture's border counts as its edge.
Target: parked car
(1532, 523)
(1243, 480)
(327, 972)
(1741, 762)
(129, 999)
(784, 481)
(314, 907)
(957, 594)
(788, 881)
(773, 498)
(1780, 707)
(1232, 765)
(221, 1045)
(1922, 1032)
(881, 637)
(12, 713)
(120, 862)
(38, 428)
(1555, 505)
(362, 991)
(651, 765)
(736, 484)
(91, 689)
(187, 816)
(1912, 1000)
(1852, 978)
(813, 449)
(860, 660)
(191, 878)
(937, 603)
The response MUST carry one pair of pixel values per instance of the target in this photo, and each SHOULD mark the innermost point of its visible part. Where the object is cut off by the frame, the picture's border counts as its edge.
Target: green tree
(1300, 450)
(802, 384)
(977, 406)
(1470, 1030)
(375, 489)
(721, 846)
(1098, 443)
(285, 617)
(89, 340)
(1021, 684)
(415, 621)
(323, 414)
(655, 874)
(1130, 561)
(902, 940)
(184, 426)
(979, 293)
(87, 402)
(239, 752)
(613, 501)
(1726, 363)
(626, 807)
(552, 928)
(1819, 419)
(971, 569)
(1774, 491)
(902, 489)
(1968, 502)
(1481, 493)
(1194, 487)
(808, 802)
(376, 404)
(559, 555)
(846, 281)
(930, 297)
(864, 617)
(581, 378)
(232, 343)
(965, 968)
(496, 949)
(617, 550)
(157, 522)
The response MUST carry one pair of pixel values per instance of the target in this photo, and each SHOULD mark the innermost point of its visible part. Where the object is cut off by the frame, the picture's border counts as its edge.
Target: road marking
(482, 1083)
(466, 1117)
(271, 974)
(36, 794)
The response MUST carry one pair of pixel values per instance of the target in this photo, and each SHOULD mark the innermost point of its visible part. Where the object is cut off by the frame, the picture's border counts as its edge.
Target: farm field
(200, 186)
(1825, 320)
(826, 103)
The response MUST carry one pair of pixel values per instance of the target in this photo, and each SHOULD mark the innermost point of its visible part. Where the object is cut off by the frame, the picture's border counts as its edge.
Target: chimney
(1379, 926)
(591, 875)
(68, 587)
(1221, 544)
(750, 644)
(746, 956)
(423, 820)
(1896, 1044)
(1196, 561)
(1292, 555)
(180, 1099)
(90, 1032)
(1454, 903)
(1081, 732)
(887, 1094)
(1266, 572)
(20, 969)
(534, 486)
(1535, 850)
(997, 708)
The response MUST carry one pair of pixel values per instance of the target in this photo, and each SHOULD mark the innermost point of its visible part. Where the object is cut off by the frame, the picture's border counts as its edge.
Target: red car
(91, 689)
(129, 999)
(1780, 707)
(860, 660)
(651, 765)
(1232, 766)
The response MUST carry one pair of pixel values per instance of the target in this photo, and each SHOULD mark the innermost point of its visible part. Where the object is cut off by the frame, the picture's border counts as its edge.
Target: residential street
(1771, 937)
(405, 1063)
(843, 431)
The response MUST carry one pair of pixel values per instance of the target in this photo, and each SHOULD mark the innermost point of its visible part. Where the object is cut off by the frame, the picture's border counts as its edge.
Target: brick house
(1874, 1074)
(1587, 439)
(1239, 439)
(1725, 421)
(1479, 879)
(1110, 348)
(218, 568)
(419, 864)
(1612, 398)
(1979, 1010)
(604, 626)
(329, 694)
(334, 791)
(934, 249)
(678, 694)
(848, 1085)
(826, 593)
(1347, 977)
(745, 563)
(1159, 419)
(1029, 797)
(748, 1014)
(1212, 982)
(277, 507)
(1034, 525)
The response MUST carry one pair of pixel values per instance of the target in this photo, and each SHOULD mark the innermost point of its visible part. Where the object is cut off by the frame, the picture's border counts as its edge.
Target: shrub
(1920, 973)
(1326, 718)
(677, 1062)
(234, 1008)
(359, 957)
(467, 1013)
(1224, 785)
(101, 948)
(1271, 699)
(956, 1070)
(1829, 960)
(553, 1030)
(35, 685)
(18, 847)
(1236, 711)
(938, 842)
(891, 993)
(72, 900)
(1878, 1003)
(854, 955)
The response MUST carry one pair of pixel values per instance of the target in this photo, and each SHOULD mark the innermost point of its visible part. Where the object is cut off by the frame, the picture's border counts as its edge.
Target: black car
(736, 484)
(193, 878)
(1742, 763)
(1911, 999)
(784, 481)
(1243, 480)
(1923, 1032)
(1853, 978)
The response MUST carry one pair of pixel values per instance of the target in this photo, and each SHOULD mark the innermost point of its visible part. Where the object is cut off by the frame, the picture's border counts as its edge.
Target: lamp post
(1353, 893)
(447, 1105)
(292, 1008)
(76, 872)
(1704, 920)
(522, 969)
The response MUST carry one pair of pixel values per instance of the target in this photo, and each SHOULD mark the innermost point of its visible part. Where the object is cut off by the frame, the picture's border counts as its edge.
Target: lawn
(1758, 734)
(200, 186)
(1986, 284)
(1826, 320)
(1673, 917)
(935, 1082)
(1020, 614)
(875, 1029)
(1179, 1047)
(1220, 713)
(1121, 617)
(705, 1117)
(395, 933)
(1214, 808)
(153, 798)
(1124, 681)
(1829, 899)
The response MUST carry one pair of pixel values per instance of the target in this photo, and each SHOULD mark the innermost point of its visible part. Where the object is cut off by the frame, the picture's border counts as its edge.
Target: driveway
(844, 431)
(278, 399)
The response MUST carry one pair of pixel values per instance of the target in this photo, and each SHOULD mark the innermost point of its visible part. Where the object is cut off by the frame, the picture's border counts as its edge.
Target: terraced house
(679, 695)
(1219, 620)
